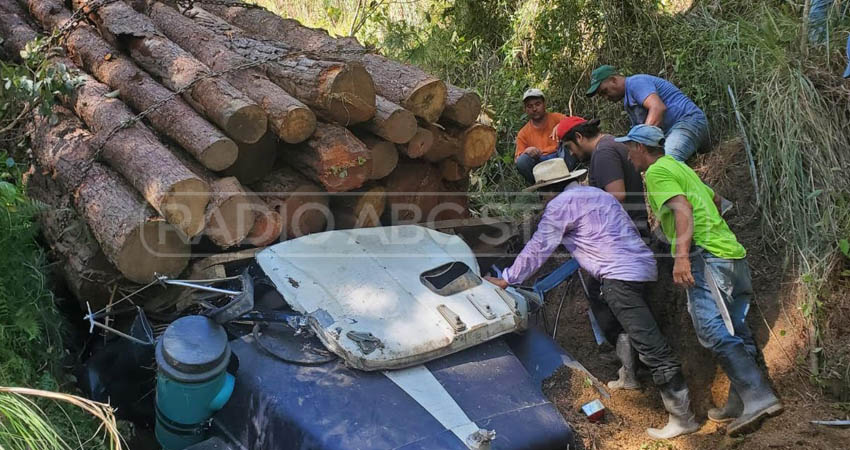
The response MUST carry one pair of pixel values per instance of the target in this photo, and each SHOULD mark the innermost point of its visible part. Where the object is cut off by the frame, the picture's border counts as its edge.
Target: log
(175, 118)
(452, 170)
(462, 106)
(339, 91)
(214, 97)
(477, 143)
(333, 157)
(16, 31)
(268, 226)
(255, 160)
(445, 145)
(413, 191)
(231, 211)
(419, 144)
(408, 86)
(291, 120)
(131, 235)
(361, 208)
(454, 203)
(384, 156)
(392, 122)
(301, 204)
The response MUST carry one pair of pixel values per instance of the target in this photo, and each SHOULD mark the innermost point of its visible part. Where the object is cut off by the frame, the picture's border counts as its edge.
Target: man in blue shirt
(655, 101)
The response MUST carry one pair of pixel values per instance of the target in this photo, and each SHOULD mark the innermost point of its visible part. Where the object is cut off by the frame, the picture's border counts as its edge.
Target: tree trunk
(86, 270)
(408, 86)
(222, 103)
(302, 204)
(452, 170)
(15, 29)
(333, 157)
(462, 106)
(392, 122)
(361, 208)
(131, 235)
(445, 145)
(454, 203)
(231, 211)
(290, 119)
(384, 156)
(478, 143)
(255, 160)
(413, 190)
(175, 118)
(338, 91)
(419, 145)
(268, 227)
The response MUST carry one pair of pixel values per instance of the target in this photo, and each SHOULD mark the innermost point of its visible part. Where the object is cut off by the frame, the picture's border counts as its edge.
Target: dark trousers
(608, 323)
(626, 300)
(525, 164)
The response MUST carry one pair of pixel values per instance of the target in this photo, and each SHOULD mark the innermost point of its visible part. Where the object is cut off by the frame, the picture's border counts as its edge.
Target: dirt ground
(774, 318)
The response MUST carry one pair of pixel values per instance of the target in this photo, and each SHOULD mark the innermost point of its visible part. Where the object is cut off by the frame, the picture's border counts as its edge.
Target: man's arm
(617, 188)
(655, 108)
(547, 238)
(684, 215)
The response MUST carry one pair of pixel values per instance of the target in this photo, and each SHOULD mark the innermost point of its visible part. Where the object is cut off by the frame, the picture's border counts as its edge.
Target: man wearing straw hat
(592, 225)
(712, 266)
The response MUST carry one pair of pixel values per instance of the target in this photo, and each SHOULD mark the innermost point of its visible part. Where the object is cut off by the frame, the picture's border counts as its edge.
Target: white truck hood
(374, 298)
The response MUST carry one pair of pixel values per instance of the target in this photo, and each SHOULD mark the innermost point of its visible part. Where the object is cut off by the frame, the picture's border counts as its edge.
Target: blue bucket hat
(847, 70)
(644, 134)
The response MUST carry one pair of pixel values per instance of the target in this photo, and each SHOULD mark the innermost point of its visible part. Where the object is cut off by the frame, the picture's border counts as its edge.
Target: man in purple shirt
(592, 225)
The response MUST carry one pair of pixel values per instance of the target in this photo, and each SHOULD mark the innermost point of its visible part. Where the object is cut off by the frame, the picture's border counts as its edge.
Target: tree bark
(217, 99)
(361, 208)
(392, 122)
(445, 145)
(452, 170)
(462, 106)
(384, 156)
(338, 91)
(175, 118)
(16, 31)
(478, 143)
(290, 119)
(255, 160)
(333, 157)
(413, 190)
(268, 227)
(419, 145)
(131, 235)
(301, 204)
(408, 86)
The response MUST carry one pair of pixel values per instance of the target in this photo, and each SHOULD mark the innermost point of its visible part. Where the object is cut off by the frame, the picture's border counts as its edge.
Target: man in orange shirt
(534, 142)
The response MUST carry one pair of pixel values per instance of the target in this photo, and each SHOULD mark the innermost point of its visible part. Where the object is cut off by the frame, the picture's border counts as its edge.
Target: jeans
(734, 285)
(625, 298)
(686, 137)
(525, 163)
(608, 323)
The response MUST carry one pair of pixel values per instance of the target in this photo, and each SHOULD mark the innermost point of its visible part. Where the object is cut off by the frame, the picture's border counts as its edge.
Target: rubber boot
(730, 411)
(627, 378)
(677, 402)
(759, 401)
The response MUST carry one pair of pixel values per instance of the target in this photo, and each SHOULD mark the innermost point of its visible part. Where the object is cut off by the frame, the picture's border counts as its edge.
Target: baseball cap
(532, 93)
(568, 123)
(644, 134)
(599, 75)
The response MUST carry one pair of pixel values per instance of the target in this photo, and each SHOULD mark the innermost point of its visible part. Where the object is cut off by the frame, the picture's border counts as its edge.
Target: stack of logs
(232, 124)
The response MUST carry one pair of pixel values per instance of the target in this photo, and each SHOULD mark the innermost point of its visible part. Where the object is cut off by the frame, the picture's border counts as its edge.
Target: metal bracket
(452, 318)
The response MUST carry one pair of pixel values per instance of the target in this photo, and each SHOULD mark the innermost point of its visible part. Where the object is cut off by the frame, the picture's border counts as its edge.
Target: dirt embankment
(774, 318)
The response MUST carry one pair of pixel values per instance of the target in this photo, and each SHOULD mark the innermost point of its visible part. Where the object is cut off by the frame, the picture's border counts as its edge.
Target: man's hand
(498, 282)
(533, 152)
(554, 135)
(682, 275)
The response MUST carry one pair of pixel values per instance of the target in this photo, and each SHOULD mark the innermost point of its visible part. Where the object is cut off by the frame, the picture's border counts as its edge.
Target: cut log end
(451, 170)
(268, 226)
(185, 206)
(307, 211)
(220, 155)
(255, 160)
(419, 144)
(231, 215)
(248, 124)
(427, 100)
(384, 156)
(351, 97)
(361, 209)
(478, 145)
(465, 110)
(298, 125)
(155, 247)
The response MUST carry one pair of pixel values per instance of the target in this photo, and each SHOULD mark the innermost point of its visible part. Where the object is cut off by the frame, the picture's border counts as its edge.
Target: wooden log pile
(233, 126)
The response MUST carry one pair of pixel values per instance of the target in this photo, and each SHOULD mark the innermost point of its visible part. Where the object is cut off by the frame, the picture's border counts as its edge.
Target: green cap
(599, 75)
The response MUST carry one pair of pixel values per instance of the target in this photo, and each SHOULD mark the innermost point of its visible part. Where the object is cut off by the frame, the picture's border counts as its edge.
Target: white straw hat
(552, 171)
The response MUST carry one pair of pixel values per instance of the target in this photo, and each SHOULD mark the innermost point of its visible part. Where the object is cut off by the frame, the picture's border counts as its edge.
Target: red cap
(568, 124)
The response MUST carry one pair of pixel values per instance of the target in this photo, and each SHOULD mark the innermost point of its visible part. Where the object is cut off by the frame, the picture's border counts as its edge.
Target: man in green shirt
(712, 266)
